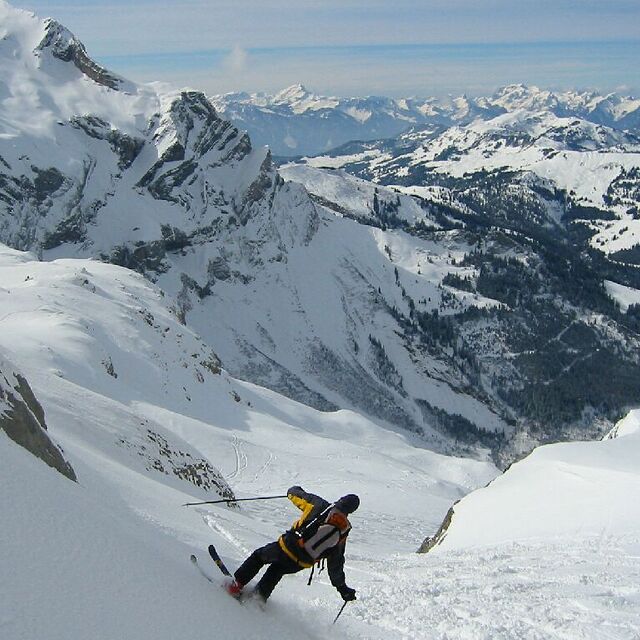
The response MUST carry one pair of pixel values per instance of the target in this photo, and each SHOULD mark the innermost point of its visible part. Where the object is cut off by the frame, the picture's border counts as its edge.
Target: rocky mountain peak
(517, 89)
(291, 94)
(63, 45)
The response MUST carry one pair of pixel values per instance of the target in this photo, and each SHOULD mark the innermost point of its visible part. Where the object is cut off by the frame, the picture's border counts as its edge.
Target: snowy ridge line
(296, 122)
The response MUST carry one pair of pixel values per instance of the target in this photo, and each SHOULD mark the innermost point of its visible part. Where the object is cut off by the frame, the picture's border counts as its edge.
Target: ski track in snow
(240, 457)
(265, 466)
(223, 532)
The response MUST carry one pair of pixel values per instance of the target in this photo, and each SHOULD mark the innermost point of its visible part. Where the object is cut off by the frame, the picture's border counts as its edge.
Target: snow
(108, 556)
(337, 162)
(348, 192)
(583, 589)
(625, 107)
(78, 564)
(578, 490)
(361, 115)
(329, 293)
(588, 174)
(124, 531)
(623, 295)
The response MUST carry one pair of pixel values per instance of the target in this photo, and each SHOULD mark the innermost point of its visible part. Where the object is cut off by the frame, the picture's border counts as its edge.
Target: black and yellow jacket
(291, 543)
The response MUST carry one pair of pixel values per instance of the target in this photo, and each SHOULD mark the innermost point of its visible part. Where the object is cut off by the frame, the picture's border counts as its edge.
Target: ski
(194, 560)
(218, 560)
(243, 597)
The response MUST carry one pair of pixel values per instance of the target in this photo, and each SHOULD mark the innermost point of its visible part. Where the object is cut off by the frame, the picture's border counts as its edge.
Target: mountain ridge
(214, 225)
(297, 122)
(344, 294)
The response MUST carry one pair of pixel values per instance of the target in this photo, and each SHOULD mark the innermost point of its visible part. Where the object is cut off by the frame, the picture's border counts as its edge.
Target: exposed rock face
(433, 541)
(125, 146)
(63, 45)
(22, 419)
(164, 457)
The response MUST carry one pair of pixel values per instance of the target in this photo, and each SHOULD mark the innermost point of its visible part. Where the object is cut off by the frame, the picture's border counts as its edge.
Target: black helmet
(348, 503)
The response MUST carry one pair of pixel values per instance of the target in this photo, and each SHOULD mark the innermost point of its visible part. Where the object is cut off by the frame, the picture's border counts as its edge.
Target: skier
(320, 533)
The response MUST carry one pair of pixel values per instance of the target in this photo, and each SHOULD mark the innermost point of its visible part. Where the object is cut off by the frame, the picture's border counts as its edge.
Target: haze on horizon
(361, 47)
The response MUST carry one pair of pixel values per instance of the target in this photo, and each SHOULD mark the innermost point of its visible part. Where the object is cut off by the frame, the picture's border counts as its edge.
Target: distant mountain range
(296, 122)
(591, 168)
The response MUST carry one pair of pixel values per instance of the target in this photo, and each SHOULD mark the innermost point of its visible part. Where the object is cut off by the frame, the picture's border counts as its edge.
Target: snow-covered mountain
(344, 294)
(589, 170)
(611, 110)
(296, 122)
(289, 294)
(543, 212)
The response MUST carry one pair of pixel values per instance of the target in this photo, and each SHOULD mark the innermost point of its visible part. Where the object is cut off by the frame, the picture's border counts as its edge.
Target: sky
(361, 47)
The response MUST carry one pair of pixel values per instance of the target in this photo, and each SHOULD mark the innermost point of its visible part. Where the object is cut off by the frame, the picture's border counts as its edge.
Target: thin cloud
(236, 61)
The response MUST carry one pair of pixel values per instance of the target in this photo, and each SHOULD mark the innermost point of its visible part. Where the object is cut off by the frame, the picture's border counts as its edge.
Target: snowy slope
(154, 437)
(560, 492)
(353, 197)
(99, 332)
(77, 563)
(108, 556)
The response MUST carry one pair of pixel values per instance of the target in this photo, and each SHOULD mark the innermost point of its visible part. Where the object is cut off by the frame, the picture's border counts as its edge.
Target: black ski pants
(279, 565)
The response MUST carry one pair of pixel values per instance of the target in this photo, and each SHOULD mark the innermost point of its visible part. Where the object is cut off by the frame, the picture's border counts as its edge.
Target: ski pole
(191, 504)
(341, 610)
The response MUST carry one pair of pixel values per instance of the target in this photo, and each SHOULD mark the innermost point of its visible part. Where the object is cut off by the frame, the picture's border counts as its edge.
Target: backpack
(323, 533)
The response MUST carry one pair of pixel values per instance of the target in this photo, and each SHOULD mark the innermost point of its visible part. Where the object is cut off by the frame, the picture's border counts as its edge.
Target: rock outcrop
(22, 419)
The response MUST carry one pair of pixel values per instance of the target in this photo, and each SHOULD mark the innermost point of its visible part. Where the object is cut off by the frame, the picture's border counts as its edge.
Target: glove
(348, 594)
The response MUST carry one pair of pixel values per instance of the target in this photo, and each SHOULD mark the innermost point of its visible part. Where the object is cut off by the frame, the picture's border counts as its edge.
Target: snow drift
(560, 491)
